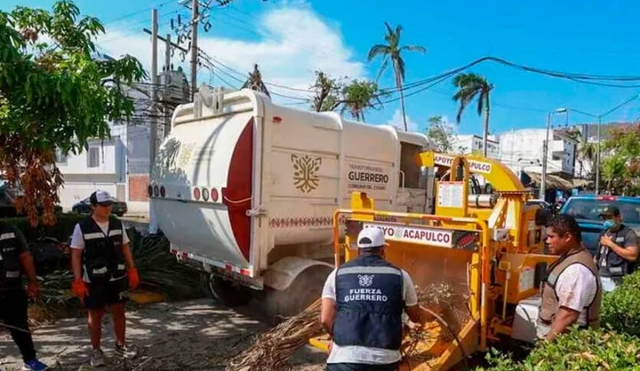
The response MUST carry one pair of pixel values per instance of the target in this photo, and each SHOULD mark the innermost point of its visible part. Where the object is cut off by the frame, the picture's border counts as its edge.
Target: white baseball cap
(101, 197)
(371, 238)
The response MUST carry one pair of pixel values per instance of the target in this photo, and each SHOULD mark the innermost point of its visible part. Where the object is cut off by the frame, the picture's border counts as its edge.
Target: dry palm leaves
(272, 349)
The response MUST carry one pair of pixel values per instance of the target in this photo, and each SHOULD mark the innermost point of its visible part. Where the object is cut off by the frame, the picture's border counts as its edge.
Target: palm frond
(383, 67)
(377, 50)
(414, 48)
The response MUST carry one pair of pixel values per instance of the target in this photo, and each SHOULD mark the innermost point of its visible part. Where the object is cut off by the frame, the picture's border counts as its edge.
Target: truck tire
(227, 292)
(305, 289)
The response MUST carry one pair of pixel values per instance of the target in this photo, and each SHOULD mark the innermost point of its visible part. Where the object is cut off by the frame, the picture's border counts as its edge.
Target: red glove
(134, 280)
(79, 289)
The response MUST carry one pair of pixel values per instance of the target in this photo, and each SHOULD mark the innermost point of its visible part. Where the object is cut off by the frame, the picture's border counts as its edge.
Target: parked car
(84, 207)
(542, 203)
(587, 208)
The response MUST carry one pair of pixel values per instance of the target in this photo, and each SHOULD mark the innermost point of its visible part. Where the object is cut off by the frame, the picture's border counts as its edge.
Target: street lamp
(599, 117)
(543, 185)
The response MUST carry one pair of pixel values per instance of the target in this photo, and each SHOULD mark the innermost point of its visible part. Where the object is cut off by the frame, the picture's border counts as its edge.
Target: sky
(290, 39)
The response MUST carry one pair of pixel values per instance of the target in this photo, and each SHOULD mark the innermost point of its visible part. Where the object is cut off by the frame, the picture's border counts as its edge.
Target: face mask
(608, 224)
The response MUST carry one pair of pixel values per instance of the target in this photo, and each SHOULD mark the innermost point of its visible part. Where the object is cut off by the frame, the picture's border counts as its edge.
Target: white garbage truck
(245, 190)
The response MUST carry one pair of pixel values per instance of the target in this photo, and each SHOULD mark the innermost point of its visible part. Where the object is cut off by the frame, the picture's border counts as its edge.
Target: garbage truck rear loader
(245, 190)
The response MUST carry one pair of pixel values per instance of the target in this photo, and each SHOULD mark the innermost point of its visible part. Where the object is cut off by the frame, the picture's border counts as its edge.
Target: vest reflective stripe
(10, 271)
(611, 264)
(368, 270)
(103, 258)
(7, 236)
(369, 298)
(93, 236)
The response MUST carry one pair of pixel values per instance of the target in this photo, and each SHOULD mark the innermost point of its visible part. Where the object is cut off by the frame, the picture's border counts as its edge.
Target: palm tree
(470, 86)
(254, 82)
(392, 50)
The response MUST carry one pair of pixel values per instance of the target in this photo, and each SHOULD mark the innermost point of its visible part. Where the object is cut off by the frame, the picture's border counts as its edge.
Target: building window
(61, 158)
(93, 157)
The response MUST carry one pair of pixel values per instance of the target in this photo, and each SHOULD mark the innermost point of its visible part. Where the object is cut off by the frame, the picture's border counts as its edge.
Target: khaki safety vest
(550, 306)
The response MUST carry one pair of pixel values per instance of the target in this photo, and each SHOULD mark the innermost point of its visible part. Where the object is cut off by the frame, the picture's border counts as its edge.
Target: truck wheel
(227, 292)
(305, 289)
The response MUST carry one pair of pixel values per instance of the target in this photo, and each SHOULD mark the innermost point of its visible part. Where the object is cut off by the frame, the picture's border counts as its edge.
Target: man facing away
(617, 254)
(571, 292)
(362, 305)
(102, 262)
(15, 259)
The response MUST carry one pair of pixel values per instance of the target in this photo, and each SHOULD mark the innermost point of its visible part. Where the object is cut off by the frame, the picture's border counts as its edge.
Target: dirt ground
(193, 335)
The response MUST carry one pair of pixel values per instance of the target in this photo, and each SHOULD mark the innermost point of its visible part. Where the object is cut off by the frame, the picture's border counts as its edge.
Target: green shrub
(621, 308)
(583, 350)
(62, 230)
(615, 346)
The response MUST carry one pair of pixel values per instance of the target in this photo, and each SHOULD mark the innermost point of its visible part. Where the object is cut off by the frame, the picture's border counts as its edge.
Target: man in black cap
(618, 252)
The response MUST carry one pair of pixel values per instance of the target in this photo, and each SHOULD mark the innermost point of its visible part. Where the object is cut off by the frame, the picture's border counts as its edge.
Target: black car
(84, 207)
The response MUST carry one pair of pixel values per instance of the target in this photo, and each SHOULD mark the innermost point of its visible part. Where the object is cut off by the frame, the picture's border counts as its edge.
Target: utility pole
(167, 68)
(153, 122)
(545, 151)
(194, 46)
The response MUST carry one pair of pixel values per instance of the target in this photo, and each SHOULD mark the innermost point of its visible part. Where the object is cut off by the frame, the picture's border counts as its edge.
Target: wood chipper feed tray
(424, 345)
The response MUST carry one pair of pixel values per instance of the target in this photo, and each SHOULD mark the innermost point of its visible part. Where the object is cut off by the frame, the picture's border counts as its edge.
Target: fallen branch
(272, 349)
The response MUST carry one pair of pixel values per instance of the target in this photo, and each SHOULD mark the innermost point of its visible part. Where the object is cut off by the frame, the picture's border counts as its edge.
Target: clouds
(294, 42)
(396, 121)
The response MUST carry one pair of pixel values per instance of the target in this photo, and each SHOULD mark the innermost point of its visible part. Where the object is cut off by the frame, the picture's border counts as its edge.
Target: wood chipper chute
(472, 266)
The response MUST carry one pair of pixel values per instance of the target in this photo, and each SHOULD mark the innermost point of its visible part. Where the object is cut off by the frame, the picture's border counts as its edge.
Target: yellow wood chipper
(487, 249)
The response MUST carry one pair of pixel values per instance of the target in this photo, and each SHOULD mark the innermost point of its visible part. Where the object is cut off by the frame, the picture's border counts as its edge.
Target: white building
(523, 151)
(466, 144)
(119, 165)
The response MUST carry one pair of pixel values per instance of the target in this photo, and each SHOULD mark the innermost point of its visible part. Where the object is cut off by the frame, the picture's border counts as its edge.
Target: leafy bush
(583, 350)
(621, 308)
(615, 346)
(61, 231)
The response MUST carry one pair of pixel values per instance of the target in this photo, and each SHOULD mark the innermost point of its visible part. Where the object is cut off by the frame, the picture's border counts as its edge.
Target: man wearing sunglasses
(618, 252)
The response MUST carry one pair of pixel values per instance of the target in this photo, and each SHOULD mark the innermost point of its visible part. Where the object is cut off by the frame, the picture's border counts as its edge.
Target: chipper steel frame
(493, 251)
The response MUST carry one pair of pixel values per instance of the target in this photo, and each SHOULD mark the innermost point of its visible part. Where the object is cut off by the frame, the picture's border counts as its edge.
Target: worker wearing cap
(618, 252)
(362, 305)
(103, 270)
(16, 260)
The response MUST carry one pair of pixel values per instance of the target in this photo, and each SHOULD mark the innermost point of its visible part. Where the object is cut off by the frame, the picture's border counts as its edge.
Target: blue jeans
(360, 367)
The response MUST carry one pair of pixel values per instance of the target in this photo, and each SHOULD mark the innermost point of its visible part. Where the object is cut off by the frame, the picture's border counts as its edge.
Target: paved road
(193, 335)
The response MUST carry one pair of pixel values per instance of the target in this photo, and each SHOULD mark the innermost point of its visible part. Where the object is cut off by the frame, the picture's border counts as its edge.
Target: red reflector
(196, 194)
(245, 272)
(214, 195)
(229, 267)
(607, 198)
(276, 119)
(162, 191)
(205, 194)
